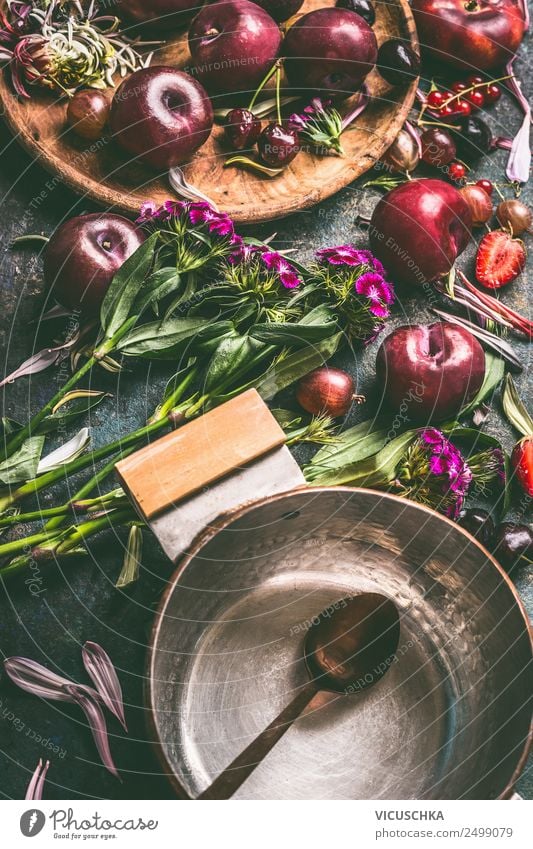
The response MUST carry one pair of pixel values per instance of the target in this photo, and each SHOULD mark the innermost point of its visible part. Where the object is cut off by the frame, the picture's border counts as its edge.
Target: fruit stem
(473, 88)
(278, 94)
(262, 84)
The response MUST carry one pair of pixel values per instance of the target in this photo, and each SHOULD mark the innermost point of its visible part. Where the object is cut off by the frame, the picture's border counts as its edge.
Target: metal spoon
(348, 648)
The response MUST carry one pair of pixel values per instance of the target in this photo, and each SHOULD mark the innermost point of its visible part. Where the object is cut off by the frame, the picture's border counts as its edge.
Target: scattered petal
(65, 453)
(36, 785)
(97, 724)
(104, 677)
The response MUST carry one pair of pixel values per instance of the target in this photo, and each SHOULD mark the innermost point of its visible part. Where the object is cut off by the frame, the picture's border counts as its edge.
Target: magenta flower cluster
(197, 214)
(371, 283)
(446, 462)
(271, 260)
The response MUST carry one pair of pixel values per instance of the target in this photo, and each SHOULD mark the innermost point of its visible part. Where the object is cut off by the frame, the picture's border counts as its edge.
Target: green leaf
(232, 358)
(132, 559)
(494, 372)
(8, 427)
(352, 445)
(379, 470)
(291, 367)
(125, 287)
(162, 339)
(23, 464)
(515, 410)
(158, 285)
(72, 411)
(315, 326)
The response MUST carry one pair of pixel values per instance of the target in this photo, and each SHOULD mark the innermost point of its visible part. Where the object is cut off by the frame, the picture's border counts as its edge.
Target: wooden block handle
(199, 453)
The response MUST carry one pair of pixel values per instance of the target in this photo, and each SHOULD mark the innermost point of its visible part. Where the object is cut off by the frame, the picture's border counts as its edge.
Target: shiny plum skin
(430, 370)
(158, 15)
(84, 254)
(160, 115)
(280, 10)
(329, 51)
(478, 36)
(233, 44)
(419, 229)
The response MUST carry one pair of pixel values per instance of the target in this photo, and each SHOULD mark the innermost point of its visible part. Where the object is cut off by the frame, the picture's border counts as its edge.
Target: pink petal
(104, 677)
(97, 724)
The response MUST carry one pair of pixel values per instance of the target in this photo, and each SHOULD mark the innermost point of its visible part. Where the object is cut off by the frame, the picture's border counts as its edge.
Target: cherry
(435, 99)
(486, 185)
(242, 128)
(397, 62)
(475, 98)
(438, 147)
(513, 542)
(480, 524)
(363, 8)
(473, 139)
(457, 171)
(278, 145)
(492, 93)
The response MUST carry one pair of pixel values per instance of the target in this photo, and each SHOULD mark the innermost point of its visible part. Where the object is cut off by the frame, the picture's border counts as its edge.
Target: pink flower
(147, 212)
(217, 222)
(341, 255)
(285, 271)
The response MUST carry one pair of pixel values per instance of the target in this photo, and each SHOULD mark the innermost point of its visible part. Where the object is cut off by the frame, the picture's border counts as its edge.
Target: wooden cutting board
(101, 172)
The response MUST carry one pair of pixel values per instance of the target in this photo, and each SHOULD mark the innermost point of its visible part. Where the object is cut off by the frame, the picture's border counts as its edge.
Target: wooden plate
(98, 170)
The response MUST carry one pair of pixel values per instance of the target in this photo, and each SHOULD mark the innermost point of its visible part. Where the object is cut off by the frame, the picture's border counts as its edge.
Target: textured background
(77, 601)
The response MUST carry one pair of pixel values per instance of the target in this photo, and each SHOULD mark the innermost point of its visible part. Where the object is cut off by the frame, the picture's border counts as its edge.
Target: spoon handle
(229, 781)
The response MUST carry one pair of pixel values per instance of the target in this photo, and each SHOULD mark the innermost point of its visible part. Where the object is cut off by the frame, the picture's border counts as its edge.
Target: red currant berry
(492, 93)
(435, 99)
(476, 98)
(486, 185)
(461, 107)
(458, 87)
(446, 111)
(457, 171)
(474, 80)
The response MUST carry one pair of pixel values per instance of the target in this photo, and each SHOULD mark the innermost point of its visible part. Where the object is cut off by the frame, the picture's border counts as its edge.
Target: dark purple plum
(161, 115)
(431, 371)
(329, 51)
(84, 254)
(233, 44)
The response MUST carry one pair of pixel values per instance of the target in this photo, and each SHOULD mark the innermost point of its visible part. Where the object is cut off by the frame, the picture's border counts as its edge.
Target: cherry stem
(278, 93)
(262, 84)
(474, 87)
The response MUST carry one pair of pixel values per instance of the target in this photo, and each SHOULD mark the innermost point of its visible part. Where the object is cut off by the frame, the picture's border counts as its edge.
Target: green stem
(22, 435)
(262, 84)
(105, 348)
(34, 516)
(90, 485)
(172, 400)
(54, 544)
(37, 484)
(278, 93)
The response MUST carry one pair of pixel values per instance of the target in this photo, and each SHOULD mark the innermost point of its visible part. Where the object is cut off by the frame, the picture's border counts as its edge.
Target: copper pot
(450, 720)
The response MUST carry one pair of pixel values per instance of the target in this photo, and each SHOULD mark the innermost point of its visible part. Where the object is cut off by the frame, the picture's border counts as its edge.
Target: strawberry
(500, 259)
(522, 460)
(522, 456)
